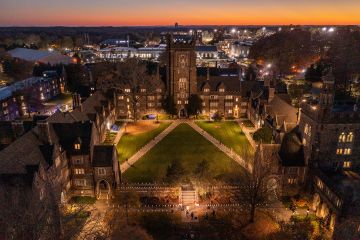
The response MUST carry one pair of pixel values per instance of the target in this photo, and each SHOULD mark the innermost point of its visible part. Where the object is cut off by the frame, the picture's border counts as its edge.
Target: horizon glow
(185, 12)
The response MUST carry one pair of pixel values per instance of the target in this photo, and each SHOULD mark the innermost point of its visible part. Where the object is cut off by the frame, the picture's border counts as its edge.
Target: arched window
(342, 137)
(182, 84)
(350, 137)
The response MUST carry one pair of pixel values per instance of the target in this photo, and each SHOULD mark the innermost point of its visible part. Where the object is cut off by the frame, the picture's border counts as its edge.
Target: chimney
(207, 73)
(18, 128)
(44, 131)
(158, 72)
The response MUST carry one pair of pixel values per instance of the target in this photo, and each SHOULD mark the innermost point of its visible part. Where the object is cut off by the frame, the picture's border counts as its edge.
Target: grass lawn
(130, 143)
(187, 146)
(230, 134)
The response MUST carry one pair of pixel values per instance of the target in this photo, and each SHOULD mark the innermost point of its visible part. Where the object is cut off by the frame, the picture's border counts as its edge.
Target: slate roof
(205, 48)
(280, 109)
(232, 84)
(71, 133)
(23, 152)
(103, 156)
(292, 150)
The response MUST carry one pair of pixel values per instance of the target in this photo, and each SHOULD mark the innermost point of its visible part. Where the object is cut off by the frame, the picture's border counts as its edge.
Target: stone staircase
(188, 196)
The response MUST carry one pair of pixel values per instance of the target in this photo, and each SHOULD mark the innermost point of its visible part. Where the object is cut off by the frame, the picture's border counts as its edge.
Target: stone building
(288, 168)
(329, 129)
(225, 93)
(63, 146)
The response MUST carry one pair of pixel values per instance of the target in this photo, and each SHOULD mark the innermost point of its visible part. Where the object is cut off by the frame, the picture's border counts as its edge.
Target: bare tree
(128, 199)
(133, 74)
(254, 189)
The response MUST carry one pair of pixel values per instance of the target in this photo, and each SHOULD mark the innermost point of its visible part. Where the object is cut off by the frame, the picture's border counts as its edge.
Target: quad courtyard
(182, 146)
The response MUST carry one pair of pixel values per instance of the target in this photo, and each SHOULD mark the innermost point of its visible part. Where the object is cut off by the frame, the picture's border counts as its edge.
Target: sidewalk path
(247, 133)
(221, 146)
(126, 165)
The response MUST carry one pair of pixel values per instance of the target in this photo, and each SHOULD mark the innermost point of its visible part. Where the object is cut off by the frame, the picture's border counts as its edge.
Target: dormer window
(77, 146)
(221, 90)
(143, 90)
(127, 90)
(206, 90)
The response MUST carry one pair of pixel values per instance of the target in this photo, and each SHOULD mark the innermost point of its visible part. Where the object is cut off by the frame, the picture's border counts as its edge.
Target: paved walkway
(221, 146)
(126, 165)
(247, 133)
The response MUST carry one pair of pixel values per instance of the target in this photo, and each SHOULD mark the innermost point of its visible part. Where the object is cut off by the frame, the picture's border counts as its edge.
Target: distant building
(240, 49)
(40, 56)
(26, 96)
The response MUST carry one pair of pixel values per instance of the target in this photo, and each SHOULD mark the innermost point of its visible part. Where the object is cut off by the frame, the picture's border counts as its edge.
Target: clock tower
(181, 71)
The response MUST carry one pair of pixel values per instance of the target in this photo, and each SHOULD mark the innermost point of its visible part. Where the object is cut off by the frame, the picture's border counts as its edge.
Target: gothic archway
(182, 113)
(103, 189)
(273, 187)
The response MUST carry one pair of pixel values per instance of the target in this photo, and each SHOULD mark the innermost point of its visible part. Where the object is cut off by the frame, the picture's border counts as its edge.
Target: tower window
(350, 137)
(77, 146)
(342, 137)
(182, 84)
(339, 151)
(347, 164)
(347, 151)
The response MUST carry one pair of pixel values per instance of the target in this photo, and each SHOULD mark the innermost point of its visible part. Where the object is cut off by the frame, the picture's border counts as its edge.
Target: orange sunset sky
(186, 12)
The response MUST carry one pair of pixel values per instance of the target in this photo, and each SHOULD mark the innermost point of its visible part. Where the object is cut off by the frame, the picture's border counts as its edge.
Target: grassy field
(187, 146)
(131, 142)
(230, 134)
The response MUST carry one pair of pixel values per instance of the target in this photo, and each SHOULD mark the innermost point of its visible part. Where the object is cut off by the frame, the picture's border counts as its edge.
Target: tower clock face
(182, 60)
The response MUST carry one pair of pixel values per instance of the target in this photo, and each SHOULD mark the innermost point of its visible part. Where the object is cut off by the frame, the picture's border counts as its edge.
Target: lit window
(236, 99)
(350, 137)
(151, 98)
(79, 171)
(339, 151)
(307, 129)
(304, 141)
(230, 111)
(101, 171)
(121, 97)
(186, 102)
(182, 84)
(291, 180)
(179, 102)
(342, 137)
(127, 90)
(77, 146)
(143, 90)
(80, 182)
(320, 184)
(347, 164)
(228, 97)
(206, 90)
(221, 90)
(347, 151)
